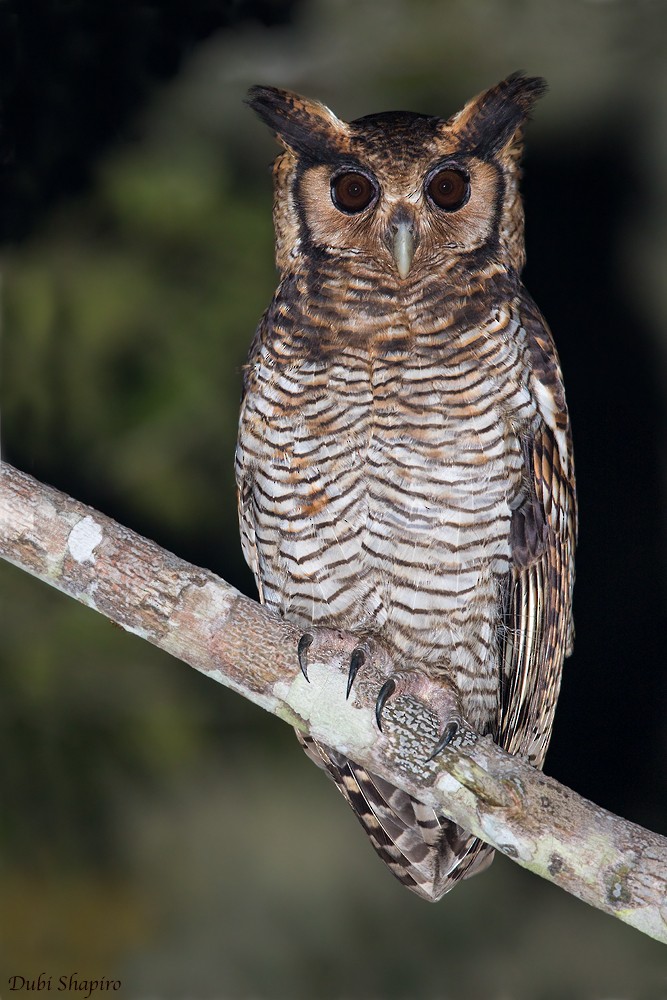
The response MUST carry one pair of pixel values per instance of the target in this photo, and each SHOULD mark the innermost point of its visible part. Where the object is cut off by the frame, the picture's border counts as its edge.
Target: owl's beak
(403, 246)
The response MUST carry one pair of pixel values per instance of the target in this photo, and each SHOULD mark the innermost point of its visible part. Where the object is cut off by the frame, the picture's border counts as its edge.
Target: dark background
(156, 828)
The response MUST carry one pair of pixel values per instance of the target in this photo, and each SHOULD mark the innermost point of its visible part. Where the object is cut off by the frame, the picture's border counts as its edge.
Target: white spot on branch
(83, 539)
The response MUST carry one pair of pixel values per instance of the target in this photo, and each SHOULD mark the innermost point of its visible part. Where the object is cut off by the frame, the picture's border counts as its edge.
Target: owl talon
(305, 642)
(441, 700)
(386, 691)
(446, 737)
(357, 660)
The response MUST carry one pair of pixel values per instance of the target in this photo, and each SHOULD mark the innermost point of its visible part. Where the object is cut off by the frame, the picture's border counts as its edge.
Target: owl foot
(305, 642)
(439, 699)
(446, 737)
(334, 640)
(357, 659)
(386, 692)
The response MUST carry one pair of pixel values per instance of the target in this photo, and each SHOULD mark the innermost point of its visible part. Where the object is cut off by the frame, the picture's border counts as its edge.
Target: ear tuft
(304, 126)
(490, 121)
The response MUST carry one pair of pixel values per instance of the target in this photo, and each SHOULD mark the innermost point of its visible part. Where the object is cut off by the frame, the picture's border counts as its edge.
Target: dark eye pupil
(352, 192)
(449, 189)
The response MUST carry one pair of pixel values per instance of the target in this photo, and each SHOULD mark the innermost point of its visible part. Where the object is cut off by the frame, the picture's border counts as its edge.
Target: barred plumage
(404, 461)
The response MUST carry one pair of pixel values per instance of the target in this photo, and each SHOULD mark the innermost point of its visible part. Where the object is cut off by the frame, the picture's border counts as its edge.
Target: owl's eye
(352, 192)
(449, 189)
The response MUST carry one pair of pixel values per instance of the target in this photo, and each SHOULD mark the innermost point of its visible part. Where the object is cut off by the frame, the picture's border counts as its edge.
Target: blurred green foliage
(130, 317)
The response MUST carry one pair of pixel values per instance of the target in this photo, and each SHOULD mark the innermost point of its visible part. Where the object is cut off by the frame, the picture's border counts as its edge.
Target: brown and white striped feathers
(404, 462)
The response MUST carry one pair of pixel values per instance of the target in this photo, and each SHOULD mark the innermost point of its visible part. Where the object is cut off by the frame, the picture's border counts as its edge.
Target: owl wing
(246, 520)
(536, 630)
(243, 463)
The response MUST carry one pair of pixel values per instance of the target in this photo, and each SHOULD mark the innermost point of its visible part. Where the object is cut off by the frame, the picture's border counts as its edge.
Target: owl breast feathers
(404, 461)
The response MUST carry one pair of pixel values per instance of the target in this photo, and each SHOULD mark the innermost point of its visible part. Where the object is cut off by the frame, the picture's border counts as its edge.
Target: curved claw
(385, 694)
(357, 660)
(447, 735)
(305, 642)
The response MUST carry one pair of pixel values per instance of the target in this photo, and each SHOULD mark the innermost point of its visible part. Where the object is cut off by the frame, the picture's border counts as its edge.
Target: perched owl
(404, 461)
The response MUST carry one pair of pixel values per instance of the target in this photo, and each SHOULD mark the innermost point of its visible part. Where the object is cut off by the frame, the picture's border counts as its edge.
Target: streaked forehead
(404, 134)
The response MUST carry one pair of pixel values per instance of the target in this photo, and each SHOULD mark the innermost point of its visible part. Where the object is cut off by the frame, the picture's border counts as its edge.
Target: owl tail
(424, 851)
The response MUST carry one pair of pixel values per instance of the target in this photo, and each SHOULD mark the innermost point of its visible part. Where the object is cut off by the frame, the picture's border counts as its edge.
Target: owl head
(406, 193)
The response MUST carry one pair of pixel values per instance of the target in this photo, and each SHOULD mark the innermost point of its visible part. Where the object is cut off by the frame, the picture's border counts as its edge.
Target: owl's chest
(400, 436)
(359, 476)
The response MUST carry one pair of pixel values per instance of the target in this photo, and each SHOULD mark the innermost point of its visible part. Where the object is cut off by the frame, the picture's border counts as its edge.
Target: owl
(404, 460)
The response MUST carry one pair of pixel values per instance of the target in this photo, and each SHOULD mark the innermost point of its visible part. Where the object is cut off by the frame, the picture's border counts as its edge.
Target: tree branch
(612, 864)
